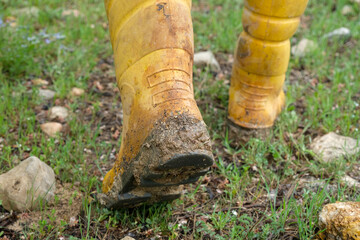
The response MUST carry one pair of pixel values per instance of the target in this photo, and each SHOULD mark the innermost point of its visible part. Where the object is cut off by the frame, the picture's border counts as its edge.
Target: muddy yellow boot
(261, 60)
(164, 141)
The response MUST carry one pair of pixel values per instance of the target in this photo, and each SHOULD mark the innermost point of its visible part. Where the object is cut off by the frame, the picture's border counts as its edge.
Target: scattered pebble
(73, 221)
(347, 10)
(70, 12)
(39, 82)
(207, 58)
(340, 34)
(58, 112)
(51, 128)
(46, 94)
(77, 92)
(29, 11)
(350, 182)
(332, 146)
(26, 186)
(272, 195)
(316, 185)
(128, 238)
(340, 220)
(304, 47)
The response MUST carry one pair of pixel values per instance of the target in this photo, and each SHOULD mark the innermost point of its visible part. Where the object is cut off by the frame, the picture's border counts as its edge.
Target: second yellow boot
(256, 95)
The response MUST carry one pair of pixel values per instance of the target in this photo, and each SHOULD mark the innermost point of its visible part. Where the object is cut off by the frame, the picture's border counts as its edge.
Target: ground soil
(109, 118)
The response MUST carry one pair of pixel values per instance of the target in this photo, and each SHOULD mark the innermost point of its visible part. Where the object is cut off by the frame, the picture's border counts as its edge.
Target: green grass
(323, 95)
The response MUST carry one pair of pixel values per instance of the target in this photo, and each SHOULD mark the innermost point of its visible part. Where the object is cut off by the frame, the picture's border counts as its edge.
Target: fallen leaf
(116, 134)
(98, 85)
(73, 221)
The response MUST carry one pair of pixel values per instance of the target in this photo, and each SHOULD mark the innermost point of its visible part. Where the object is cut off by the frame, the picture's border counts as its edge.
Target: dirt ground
(68, 204)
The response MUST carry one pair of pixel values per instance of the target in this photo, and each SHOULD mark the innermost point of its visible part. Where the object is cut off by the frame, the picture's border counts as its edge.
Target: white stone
(272, 195)
(350, 182)
(332, 146)
(342, 34)
(304, 47)
(51, 128)
(207, 58)
(58, 112)
(347, 10)
(340, 220)
(77, 92)
(30, 11)
(40, 82)
(46, 94)
(128, 238)
(70, 12)
(27, 186)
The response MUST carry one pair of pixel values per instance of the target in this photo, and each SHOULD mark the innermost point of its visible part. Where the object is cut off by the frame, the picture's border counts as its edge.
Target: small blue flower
(58, 36)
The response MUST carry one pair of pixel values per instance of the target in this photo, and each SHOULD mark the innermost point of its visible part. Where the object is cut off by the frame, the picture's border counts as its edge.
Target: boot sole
(163, 183)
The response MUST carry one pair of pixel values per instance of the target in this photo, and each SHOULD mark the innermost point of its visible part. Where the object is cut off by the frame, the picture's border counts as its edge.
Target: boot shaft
(153, 51)
(141, 27)
(264, 46)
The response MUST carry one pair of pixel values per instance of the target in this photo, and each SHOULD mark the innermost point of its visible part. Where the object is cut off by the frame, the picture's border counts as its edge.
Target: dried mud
(177, 135)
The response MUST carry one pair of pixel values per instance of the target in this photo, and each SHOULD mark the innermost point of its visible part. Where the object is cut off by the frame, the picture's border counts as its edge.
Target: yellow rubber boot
(164, 141)
(256, 95)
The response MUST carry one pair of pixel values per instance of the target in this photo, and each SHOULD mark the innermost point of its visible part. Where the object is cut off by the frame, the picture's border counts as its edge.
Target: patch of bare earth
(65, 207)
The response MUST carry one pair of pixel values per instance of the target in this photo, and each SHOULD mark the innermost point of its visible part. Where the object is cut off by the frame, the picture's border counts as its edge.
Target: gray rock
(30, 11)
(304, 47)
(332, 146)
(347, 10)
(51, 128)
(58, 112)
(340, 34)
(46, 94)
(340, 220)
(202, 59)
(350, 182)
(316, 185)
(27, 186)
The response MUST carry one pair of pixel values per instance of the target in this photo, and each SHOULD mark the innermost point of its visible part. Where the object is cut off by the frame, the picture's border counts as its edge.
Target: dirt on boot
(177, 152)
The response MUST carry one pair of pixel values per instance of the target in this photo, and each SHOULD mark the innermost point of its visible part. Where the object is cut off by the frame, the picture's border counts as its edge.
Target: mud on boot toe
(176, 152)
